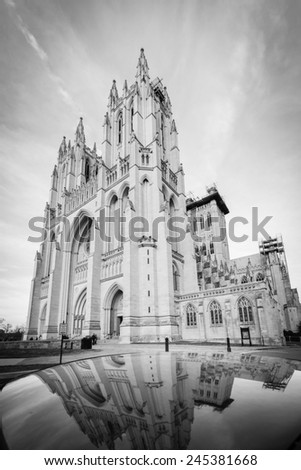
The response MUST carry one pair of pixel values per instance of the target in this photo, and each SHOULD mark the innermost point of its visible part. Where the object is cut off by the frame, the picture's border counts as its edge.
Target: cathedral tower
(112, 262)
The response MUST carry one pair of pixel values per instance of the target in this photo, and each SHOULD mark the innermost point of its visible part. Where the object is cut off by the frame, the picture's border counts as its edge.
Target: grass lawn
(22, 353)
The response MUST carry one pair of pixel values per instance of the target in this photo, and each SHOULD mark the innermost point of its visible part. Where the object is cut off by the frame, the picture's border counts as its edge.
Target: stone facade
(114, 261)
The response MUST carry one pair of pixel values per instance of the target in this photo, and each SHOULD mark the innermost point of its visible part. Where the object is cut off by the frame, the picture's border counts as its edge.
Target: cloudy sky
(233, 72)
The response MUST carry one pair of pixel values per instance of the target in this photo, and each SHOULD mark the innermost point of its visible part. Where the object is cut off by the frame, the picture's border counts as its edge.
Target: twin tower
(110, 262)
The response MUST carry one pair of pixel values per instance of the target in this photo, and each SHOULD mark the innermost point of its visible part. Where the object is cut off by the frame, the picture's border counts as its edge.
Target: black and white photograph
(150, 232)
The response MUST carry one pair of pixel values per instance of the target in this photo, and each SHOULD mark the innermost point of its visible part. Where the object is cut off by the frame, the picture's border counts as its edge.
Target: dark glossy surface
(156, 401)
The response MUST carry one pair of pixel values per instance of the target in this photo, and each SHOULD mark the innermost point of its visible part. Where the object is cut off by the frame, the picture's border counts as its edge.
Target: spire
(125, 87)
(106, 121)
(113, 96)
(54, 177)
(80, 133)
(173, 127)
(142, 67)
(69, 145)
(94, 148)
(54, 173)
(166, 98)
(63, 147)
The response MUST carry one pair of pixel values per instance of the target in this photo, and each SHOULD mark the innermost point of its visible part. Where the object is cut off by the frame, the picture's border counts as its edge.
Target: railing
(168, 175)
(81, 195)
(173, 180)
(112, 263)
(111, 175)
(124, 165)
(81, 272)
(112, 253)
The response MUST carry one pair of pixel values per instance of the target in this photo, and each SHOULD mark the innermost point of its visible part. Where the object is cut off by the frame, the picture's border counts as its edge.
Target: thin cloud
(32, 41)
(10, 3)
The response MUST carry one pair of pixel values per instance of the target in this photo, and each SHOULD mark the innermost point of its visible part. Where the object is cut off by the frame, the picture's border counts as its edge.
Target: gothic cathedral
(126, 255)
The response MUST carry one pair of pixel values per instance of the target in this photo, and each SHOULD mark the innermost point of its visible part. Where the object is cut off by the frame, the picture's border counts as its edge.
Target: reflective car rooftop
(156, 401)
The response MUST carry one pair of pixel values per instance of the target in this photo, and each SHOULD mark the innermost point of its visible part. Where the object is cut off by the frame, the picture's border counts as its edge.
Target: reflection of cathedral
(99, 273)
(147, 402)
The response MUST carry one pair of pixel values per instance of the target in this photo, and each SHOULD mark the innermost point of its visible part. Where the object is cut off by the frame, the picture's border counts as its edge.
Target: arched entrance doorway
(116, 314)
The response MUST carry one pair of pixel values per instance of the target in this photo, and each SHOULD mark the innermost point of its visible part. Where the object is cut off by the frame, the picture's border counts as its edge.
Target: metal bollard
(166, 344)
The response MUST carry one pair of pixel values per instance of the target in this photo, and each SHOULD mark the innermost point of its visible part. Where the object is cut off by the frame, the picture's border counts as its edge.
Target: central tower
(140, 150)
(119, 277)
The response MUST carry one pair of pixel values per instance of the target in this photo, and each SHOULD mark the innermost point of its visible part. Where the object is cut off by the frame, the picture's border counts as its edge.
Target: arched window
(191, 315)
(175, 277)
(173, 233)
(245, 310)
(145, 199)
(87, 171)
(79, 313)
(204, 250)
(194, 225)
(259, 277)
(51, 253)
(112, 235)
(132, 117)
(216, 313)
(119, 129)
(63, 177)
(209, 221)
(212, 248)
(162, 131)
(124, 201)
(244, 280)
(202, 224)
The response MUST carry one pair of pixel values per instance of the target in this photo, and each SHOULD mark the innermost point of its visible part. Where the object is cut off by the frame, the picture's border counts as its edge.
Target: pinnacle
(142, 67)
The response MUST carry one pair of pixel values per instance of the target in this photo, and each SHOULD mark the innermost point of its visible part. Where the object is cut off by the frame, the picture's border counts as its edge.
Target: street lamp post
(62, 332)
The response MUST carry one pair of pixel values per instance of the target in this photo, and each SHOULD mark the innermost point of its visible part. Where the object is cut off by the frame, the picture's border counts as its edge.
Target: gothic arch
(110, 294)
(113, 305)
(83, 218)
(215, 310)
(245, 296)
(131, 114)
(245, 309)
(110, 196)
(176, 277)
(145, 177)
(125, 186)
(87, 169)
(145, 198)
(112, 208)
(191, 314)
(119, 122)
(173, 202)
(79, 312)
